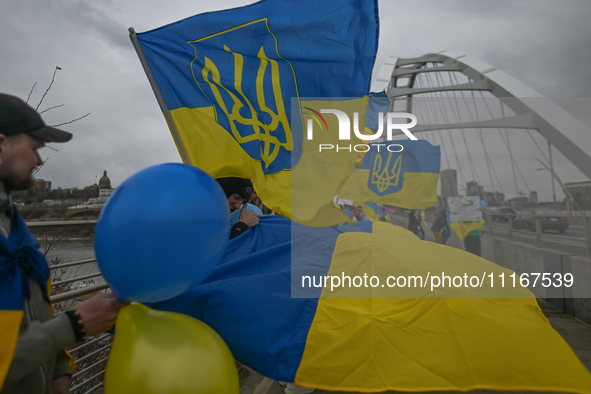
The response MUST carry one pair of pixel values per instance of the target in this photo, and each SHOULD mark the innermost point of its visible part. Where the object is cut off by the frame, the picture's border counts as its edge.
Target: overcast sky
(543, 43)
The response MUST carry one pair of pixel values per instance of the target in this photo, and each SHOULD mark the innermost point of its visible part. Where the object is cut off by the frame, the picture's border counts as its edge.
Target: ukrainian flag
(20, 260)
(11, 315)
(398, 173)
(234, 86)
(462, 229)
(272, 300)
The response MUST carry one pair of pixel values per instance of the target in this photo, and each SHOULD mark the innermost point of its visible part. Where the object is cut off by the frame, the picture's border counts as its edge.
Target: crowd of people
(441, 230)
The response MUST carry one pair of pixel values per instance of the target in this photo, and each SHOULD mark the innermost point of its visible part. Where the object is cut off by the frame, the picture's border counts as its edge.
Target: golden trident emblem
(262, 131)
(383, 177)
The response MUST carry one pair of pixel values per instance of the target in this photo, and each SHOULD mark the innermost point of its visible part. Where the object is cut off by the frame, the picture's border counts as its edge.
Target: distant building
(41, 185)
(581, 192)
(104, 182)
(474, 189)
(533, 196)
(104, 185)
(471, 188)
(106, 192)
(578, 185)
(92, 187)
(493, 199)
(490, 199)
(499, 198)
(449, 183)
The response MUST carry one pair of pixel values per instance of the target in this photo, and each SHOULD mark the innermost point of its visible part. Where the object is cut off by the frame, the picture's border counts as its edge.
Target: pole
(159, 96)
(512, 163)
(552, 172)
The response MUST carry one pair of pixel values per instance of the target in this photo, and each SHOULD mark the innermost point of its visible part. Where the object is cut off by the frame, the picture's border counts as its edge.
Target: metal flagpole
(159, 97)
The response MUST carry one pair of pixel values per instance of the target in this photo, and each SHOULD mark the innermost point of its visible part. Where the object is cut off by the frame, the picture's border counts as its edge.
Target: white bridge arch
(570, 136)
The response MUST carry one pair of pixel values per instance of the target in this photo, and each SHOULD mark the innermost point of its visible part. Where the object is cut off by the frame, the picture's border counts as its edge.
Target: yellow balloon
(165, 352)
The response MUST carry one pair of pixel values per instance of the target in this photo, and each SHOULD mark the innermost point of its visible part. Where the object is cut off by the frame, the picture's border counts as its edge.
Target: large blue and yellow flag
(399, 173)
(353, 309)
(226, 82)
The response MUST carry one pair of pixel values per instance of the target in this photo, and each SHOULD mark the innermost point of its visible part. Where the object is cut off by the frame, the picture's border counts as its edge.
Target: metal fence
(90, 355)
(540, 236)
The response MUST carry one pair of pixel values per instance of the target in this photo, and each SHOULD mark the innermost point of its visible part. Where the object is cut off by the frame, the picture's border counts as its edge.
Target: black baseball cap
(17, 117)
(233, 185)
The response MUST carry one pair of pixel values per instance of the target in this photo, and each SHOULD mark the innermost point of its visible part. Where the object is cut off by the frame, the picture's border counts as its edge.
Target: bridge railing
(90, 355)
(540, 236)
(537, 234)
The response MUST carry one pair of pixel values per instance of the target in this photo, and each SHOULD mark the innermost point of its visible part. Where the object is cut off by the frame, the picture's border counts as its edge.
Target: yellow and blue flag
(398, 173)
(463, 229)
(11, 315)
(19, 260)
(275, 301)
(226, 82)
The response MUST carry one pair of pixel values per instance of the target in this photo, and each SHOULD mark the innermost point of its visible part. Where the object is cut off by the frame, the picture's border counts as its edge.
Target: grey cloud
(543, 43)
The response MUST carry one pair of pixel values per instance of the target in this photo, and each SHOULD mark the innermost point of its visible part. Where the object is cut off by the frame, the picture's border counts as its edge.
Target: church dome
(104, 182)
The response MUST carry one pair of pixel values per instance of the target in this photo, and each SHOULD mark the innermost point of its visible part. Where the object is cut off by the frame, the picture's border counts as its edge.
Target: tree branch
(55, 106)
(49, 87)
(36, 170)
(31, 92)
(72, 121)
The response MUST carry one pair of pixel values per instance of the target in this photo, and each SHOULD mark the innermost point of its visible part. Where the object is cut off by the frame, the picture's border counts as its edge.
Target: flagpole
(159, 96)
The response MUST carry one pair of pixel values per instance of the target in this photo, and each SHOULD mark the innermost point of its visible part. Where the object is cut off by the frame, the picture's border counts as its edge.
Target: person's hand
(61, 385)
(99, 313)
(250, 218)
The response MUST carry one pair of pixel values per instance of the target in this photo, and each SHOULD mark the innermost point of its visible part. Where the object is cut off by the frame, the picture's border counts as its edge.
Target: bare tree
(57, 68)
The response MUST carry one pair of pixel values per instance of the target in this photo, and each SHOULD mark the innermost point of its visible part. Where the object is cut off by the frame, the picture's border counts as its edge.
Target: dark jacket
(440, 223)
(414, 223)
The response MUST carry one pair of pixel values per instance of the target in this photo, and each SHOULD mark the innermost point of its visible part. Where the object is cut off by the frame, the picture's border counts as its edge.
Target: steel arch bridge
(400, 78)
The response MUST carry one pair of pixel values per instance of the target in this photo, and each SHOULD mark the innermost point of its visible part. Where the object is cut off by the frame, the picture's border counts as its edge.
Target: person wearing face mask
(238, 192)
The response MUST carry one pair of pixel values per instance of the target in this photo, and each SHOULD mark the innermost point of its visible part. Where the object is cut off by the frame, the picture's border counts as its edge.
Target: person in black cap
(33, 341)
(238, 192)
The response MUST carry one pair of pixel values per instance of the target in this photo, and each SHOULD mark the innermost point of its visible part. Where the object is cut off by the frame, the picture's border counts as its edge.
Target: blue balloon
(154, 239)
(483, 204)
(235, 216)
